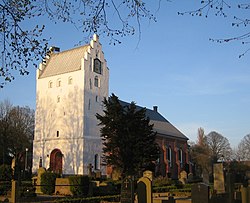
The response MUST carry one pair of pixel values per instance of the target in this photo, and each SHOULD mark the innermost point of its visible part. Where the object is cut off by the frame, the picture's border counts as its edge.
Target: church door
(56, 161)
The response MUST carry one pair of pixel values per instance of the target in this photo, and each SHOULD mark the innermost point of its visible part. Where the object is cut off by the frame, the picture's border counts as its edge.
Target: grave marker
(183, 177)
(200, 193)
(127, 190)
(144, 190)
(219, 182)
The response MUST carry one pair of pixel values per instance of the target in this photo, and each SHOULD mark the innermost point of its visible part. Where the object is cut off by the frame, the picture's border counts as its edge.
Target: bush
(48, 180)
(114, 198)
(5, 186)
(5, 172)
(79, 185)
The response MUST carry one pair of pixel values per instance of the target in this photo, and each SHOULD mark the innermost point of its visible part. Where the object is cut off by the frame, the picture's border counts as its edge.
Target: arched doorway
(56, 161)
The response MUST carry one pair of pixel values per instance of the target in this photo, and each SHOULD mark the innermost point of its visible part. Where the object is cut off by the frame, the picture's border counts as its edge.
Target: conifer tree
(128, 137)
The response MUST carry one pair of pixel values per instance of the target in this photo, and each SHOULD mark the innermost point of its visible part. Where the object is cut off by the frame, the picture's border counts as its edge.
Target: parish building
(70, 87)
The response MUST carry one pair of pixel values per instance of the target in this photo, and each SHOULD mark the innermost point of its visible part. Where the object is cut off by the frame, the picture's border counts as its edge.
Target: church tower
(70, 89)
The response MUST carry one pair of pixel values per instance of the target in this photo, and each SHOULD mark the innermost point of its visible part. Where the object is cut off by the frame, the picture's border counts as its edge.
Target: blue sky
(193, 81)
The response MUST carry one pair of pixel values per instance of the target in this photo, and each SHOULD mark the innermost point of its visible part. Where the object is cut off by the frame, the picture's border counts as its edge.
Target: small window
(58, 99)
(96, 82)
(59, 83)
(96, 98)
(50, 84)
(97, 162)
(180, 155)
(57, 133)
(70, 80)
(169, 156)
(97, 66)
(89, 105)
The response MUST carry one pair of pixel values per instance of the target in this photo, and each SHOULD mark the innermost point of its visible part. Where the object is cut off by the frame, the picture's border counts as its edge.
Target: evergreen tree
(128, 138)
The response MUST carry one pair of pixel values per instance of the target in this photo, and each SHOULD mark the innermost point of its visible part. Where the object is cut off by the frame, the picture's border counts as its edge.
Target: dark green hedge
(48, 180)
(79, 185)
(5, 172)
(114, 198)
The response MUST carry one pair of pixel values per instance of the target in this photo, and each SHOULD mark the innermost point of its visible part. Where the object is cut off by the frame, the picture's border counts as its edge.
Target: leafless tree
(226, 8)
(219, 147)
(243, 150)
(16, 130)
(21, 46)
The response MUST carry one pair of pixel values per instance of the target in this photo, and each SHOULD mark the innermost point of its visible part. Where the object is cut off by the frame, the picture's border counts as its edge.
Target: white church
(70, 89)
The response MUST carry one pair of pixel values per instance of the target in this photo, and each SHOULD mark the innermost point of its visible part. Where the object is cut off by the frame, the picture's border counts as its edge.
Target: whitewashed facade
(70, 89)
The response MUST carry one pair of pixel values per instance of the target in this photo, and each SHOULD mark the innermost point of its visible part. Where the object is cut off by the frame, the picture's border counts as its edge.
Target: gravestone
(183, 177)
(190, 177)
(200, 193)
(127, 190)
(148, 174)
(90, 168)
(40, 171)
(219, 182)
(63, 186)
(230, 187)
(144, 190)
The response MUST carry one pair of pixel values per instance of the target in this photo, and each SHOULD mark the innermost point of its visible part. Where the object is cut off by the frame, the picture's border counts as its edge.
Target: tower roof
(63, 62)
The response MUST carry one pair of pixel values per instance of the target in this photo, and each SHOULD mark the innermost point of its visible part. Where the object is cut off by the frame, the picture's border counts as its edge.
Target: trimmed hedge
(114, 198)
(5, 172)
(48, 180)
(79, 185)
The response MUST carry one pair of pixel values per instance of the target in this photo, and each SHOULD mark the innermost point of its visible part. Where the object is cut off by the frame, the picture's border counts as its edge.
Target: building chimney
(155, 108)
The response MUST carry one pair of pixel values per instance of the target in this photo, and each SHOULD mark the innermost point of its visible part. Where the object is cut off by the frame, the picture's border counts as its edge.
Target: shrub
(114, 198)
(79, 185)
(48, 180)
(5, 172)
(5, 186)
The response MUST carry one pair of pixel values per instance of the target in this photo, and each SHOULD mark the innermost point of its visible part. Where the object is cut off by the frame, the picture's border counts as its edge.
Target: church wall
(65, 114)
(59, 115)
(93, 97)
(170, 163)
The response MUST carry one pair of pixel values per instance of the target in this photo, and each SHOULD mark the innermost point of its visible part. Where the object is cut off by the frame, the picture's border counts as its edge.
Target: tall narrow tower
(70, 89)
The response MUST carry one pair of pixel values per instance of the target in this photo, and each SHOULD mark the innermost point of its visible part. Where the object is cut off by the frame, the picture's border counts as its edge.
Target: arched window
(70, 80)
(180, 156)
(59, 83)
(96, 82)
(97, 66)
(169, 156)
(50, 84)
(97, 162)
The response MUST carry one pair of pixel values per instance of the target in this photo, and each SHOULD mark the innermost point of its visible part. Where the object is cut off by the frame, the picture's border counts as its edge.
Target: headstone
(245, 194)
(219, 182)
(90, 167)
(200, 193)
(40, 171)
(183, 177)
(148, 174)
(144, 190)
(127, 190)
(62, 186)
(190, 177)
(230, 187)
